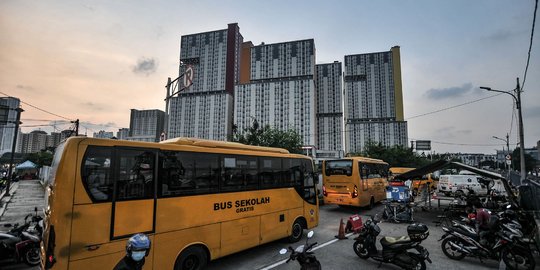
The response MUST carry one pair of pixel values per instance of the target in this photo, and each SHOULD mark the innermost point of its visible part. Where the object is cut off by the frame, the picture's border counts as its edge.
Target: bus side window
(135, 174)
(310, 194)
(96, 173)
(206, 172)
(270, 172)
(239, 173)
(364, 173)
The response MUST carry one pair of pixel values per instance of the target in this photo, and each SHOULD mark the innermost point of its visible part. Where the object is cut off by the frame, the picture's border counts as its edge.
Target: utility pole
(10, 176)
(517, 99)
(521, 139)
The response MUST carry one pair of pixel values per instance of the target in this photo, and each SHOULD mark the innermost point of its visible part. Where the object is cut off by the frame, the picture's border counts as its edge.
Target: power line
(530, 45)
(45, 111)
(452, 107)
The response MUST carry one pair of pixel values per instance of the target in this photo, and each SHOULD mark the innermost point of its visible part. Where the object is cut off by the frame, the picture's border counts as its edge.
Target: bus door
(133, 205)
(364, 172)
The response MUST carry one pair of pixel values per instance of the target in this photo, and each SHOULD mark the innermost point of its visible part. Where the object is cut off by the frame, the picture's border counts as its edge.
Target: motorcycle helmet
(138, 246)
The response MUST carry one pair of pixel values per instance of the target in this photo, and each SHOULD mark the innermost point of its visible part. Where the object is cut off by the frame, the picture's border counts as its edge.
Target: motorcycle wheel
(518, 258)
(32, 256)
(420, 265)
(450, 251)
(360, 249)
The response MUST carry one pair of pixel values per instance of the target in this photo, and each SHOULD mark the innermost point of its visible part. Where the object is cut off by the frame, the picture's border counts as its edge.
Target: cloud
(92, 105)
(25, 87)
(145, 66)
(450, 92)
(451, 132)
(502, 35)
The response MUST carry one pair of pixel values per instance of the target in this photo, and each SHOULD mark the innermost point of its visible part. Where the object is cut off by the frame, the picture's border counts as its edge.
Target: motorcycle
(20, 244)
(303, 255)
(398, 211)
(396, 250)
(503, 241)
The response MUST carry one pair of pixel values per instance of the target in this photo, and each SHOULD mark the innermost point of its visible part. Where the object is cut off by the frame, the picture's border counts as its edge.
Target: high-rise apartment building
(277, 87)
(32, 142)
(7, 129)
(329, 107)
(102, 134)
(205, 109)
(373, 100)
(123, 133)
(146, 125)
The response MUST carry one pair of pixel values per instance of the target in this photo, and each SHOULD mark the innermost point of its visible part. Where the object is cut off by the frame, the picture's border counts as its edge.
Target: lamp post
(517, 99)
(507, 147)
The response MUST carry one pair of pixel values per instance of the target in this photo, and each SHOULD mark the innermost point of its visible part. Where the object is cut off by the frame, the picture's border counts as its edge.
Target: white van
(459, 184)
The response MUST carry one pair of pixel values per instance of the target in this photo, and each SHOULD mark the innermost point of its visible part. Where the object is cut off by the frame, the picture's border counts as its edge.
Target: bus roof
(223, 144)
(366, 159)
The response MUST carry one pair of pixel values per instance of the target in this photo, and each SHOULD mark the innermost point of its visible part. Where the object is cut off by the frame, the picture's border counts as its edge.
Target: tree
(270, 136)
(530, 162)
(41, 158)
(396, 156)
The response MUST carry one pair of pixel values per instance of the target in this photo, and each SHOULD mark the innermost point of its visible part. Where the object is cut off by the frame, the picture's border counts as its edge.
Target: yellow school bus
(197, 200)
(355, 181)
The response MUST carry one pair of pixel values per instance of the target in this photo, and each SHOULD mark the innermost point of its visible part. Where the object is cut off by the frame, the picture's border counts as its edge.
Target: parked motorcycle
(20, 244)
(505, 241)
(303, 255)
(398, 211)
(396, 250)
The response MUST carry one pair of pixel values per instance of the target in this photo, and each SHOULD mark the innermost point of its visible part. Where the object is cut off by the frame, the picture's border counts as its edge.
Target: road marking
(313, 249)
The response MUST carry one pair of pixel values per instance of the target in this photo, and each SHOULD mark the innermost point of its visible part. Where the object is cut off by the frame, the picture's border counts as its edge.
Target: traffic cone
(341, 231)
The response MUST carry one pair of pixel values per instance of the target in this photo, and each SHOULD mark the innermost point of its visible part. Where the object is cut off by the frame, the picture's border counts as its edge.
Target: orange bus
(197, 200)
(355, 181)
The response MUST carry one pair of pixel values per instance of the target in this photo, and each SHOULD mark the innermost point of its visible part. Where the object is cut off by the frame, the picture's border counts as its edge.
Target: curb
(4, 200)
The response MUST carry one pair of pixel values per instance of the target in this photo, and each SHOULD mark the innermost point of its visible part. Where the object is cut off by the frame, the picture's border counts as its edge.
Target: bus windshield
(338, 167)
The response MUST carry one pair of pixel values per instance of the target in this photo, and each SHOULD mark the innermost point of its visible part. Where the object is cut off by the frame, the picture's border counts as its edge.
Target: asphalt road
(338, 254)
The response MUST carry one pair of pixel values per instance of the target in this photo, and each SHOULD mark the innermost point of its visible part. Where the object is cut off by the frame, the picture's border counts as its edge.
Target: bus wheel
(371, 203)
(193, 258)
(297, 231)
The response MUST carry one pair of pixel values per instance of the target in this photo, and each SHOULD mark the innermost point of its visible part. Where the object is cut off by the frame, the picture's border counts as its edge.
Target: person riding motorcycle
(137, 247)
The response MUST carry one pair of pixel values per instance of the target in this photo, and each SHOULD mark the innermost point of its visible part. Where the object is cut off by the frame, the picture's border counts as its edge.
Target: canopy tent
(27, 170)
(26, 165)
(442, 164)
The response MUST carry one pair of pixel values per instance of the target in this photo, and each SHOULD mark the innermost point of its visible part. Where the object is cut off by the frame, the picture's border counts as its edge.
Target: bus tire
(192, 258)
(297, 231)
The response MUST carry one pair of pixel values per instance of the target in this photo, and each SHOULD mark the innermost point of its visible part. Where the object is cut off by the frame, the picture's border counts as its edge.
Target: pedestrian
(137, 248)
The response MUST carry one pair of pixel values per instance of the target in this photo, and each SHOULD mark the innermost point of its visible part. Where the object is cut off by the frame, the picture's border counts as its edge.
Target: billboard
(423, 145)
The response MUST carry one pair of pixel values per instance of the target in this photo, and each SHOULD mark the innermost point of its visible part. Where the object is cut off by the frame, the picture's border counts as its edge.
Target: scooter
(395, 250)
(21, 245)
(303, 255)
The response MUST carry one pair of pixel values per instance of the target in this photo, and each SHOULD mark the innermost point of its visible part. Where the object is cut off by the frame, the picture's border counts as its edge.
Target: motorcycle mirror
(283, 251)
(310, 234)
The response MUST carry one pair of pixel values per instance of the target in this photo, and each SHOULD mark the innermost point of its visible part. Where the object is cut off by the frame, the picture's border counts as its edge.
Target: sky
(96, 60)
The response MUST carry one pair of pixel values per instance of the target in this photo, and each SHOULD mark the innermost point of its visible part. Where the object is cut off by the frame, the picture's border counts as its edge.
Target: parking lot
(339, 254)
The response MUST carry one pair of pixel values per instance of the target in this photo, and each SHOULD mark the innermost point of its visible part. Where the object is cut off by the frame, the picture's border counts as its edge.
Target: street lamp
(507, 145)
(517, 99)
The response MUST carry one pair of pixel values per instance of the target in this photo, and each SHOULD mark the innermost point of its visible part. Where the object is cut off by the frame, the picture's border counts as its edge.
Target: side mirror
(283, 251)
(310, 234)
